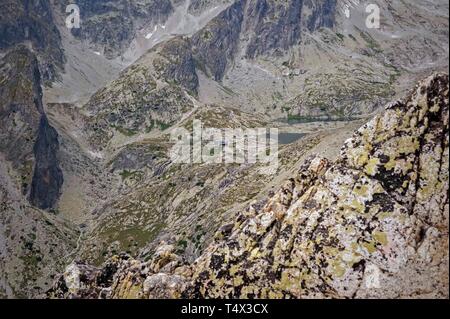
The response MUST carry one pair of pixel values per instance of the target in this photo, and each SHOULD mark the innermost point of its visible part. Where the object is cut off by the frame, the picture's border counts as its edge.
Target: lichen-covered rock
(123, 277)
(81, 281)
(164, 286)
(372, 224)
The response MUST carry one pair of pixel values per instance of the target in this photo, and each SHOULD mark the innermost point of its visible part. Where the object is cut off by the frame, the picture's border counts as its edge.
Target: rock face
(20, 104)
(257, 27)
(281, 32)
(277, 25)
(24, 123)
(32, 22)
(48, 177)
(377, 218)
(374, 223)
(180, 65)
(216, 45)
(32, 241)
(111, 25)
(321, 14)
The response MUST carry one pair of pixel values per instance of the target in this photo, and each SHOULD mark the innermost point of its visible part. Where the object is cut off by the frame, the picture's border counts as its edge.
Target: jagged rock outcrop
(179, 66)
(374, 223)
(256, 28)
(27, 138)
(111, 25)
(23, 22)
(381, 208)
(48, 177)
(216, 45)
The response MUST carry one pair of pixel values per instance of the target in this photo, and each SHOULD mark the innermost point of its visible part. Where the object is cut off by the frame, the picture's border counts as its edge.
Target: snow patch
(150, 35)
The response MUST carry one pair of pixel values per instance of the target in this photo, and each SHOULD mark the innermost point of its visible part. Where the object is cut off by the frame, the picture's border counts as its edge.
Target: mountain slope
(374, 223)
(127, 123)
(86, 116)
(317, 63)
(33, 23)
(32, 241)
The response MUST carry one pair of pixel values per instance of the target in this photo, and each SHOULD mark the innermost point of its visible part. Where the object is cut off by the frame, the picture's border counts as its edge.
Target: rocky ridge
(373, 223)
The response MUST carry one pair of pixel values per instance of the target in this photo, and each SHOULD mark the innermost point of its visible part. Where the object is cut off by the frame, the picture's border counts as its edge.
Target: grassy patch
(124, 131)
(126, 174)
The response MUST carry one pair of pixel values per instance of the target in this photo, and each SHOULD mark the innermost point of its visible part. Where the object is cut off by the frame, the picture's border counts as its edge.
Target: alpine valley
(92, 205)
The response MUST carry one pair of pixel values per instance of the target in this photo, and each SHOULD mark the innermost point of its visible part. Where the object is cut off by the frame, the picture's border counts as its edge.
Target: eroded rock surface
(28, 140)
(372, 224)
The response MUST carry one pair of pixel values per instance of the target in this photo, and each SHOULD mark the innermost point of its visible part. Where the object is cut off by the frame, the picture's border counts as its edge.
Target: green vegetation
(181, 246)
(124, 131)
(309, 119)
(126, 174)
(371, 43)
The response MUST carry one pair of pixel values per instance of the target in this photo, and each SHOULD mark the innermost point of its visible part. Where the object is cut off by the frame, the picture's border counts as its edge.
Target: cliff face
(321, 14)
(20, 103)
(180, 65)
(274, 24)
(32, 22)
(254, 28)
(32, 242)
(27, 138)
(111, 25)
(374, 223)
(216, 45)
(48, 177)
